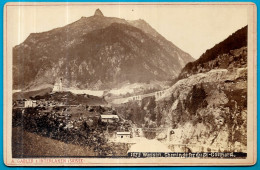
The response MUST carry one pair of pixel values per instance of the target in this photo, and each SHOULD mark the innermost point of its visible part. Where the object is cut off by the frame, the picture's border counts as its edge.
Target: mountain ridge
(235, 41)
(45, 57)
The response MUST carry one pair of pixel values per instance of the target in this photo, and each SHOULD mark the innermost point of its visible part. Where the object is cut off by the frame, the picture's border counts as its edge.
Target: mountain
(210, 97)
(96, 52)
(213, 58)
(207, 107)
(168, 46)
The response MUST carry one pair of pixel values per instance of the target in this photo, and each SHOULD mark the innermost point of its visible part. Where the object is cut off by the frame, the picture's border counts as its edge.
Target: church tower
(60, 85)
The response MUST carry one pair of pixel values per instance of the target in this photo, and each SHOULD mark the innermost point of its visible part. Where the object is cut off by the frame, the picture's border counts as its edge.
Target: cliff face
(96, 52)
(208, 105)
(209, 108)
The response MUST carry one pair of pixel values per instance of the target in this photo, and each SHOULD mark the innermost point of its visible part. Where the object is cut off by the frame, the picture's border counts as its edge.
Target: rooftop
(109, 117)
(123, 133)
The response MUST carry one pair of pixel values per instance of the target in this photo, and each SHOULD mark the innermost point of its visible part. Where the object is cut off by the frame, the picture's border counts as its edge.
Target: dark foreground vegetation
(72, 131)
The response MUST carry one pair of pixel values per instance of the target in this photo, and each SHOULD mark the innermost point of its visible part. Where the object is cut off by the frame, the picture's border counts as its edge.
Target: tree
(196, 98)
(152, 104)
(159, 118)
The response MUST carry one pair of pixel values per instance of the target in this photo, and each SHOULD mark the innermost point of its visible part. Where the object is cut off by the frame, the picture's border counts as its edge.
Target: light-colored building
(109, 118)
(123, 135)
(58, 86)
(30, 103)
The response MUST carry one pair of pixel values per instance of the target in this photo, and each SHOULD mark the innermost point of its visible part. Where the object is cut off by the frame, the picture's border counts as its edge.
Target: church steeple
(60, 85)
(98, 13)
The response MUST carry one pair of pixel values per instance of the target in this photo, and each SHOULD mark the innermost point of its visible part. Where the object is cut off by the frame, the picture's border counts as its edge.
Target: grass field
(26, 144)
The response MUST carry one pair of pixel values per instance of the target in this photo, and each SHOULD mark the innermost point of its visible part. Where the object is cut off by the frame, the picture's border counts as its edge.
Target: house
(123, 135)
(30, 103)
(109, 118)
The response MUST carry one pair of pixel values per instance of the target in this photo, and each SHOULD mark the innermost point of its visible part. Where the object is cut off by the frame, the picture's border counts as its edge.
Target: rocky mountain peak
(128, 51)
(98, 13)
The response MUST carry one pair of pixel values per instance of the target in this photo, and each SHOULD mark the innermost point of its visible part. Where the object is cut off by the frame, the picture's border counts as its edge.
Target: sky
(193, 28)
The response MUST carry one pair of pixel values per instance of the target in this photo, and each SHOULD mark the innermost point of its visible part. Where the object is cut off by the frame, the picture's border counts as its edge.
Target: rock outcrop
(98, 13)
(208, 104)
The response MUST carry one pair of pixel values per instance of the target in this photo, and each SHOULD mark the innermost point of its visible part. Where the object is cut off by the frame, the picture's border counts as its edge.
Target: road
(146, 145)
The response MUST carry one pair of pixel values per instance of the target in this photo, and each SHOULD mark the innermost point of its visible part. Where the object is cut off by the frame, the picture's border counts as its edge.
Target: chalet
(109, 118)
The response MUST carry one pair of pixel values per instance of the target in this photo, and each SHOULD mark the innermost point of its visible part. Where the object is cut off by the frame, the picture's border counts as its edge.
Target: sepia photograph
(129, 84)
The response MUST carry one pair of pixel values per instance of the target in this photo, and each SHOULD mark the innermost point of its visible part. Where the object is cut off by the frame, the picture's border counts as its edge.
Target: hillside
(207, 107)
(96, 52)
(24, 146)
(209, 102)
(214, 58)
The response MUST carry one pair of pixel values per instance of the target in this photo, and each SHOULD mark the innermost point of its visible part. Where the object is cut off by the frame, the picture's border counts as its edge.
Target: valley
(117, 86)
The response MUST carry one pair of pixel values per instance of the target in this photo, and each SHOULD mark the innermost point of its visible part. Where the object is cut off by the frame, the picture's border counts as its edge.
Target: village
(67, 117)
(72, 115)
(62, 115)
